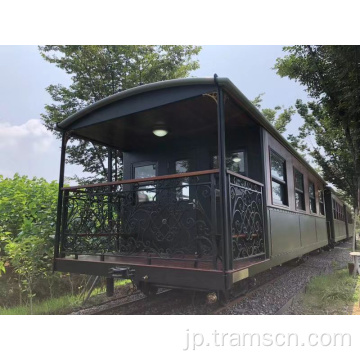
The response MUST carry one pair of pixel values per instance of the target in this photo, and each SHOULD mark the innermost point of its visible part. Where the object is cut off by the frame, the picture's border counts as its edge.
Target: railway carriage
(211, 193)
(339, 218)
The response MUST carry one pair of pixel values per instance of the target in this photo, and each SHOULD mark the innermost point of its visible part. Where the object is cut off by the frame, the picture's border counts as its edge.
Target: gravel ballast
(270, 298)
(271, 292)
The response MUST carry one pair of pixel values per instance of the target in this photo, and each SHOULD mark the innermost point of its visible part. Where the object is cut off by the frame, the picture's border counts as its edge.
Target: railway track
(133, 307)
(189, 302)
(169, 301)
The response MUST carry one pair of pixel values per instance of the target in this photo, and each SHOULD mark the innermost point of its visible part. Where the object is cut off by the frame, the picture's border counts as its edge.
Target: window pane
(312, 198)
(299, 201)
(321, 196)
(182, 192)
(299, 182)
(145, 192)
(313, 206)
(234, 162)
(278, 193)
(277, 167)
(311, 190)
(142, 172)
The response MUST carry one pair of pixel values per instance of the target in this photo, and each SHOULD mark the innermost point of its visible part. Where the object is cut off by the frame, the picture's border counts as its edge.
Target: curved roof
(192, 86)
(142, 89)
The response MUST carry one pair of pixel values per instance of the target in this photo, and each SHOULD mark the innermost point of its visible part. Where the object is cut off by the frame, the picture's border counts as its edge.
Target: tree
(279, 117)
(99, 71)
(331, 77)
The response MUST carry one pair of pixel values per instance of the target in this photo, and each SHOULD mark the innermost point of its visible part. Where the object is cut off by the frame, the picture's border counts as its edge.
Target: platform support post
(60, 196)
(109, 287)
(223, 180)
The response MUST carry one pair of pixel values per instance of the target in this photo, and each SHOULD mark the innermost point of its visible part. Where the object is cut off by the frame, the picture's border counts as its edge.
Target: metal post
(223, 184)
(110, 280)
(266, 229)
(60, 196)
(214, 220)
(109, 179)
(109, 287)
(109, 172)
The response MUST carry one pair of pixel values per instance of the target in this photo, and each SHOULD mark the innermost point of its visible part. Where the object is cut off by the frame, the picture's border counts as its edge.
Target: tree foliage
(27, 223)
(279, 117)
(330, 75)
(98, 71)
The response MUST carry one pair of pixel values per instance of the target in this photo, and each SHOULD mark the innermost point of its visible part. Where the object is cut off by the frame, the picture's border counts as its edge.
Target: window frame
(299, 191)
(282, 183)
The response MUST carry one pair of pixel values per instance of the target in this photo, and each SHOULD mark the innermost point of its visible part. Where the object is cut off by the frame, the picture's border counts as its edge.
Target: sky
(27, 148)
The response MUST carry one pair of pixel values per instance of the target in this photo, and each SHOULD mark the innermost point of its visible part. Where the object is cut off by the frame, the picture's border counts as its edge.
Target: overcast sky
(28, 148)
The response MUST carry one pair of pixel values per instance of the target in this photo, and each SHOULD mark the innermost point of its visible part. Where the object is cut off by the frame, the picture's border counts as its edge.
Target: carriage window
(338, 211)
(146, 171)
(278, 179)
(312, 197)
(235, 162)
(182, 192)
(299, 190)
(145, 191)
(321, 202)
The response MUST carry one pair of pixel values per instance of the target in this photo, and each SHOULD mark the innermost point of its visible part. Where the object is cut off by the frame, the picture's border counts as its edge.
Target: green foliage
(27, 207)
(330, 75)
(98, 71)
(29, 256)
(279, 117)
(27, 221)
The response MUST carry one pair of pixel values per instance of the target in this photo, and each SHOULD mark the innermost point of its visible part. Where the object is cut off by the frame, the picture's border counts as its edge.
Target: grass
(332, 294)
(61, 305)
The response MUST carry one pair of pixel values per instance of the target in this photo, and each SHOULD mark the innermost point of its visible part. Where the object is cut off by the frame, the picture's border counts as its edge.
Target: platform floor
(188, 262)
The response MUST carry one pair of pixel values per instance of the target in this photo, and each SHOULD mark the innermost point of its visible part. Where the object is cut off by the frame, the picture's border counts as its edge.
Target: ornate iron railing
(175, 217)
(170, 217)
(247, 217)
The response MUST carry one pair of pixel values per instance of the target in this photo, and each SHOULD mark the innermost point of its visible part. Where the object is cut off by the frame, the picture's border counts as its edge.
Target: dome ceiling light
(160, 130)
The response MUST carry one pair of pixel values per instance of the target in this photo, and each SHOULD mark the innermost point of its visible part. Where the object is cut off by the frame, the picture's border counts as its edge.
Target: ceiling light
(160, 130)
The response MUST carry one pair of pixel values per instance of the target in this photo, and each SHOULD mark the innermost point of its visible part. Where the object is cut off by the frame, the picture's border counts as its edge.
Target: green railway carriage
(211, 193)
(339, 218)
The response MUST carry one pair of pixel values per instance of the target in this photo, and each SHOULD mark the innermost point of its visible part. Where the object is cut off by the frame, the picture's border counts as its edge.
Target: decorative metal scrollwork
(176, 218)
(247, 226)
(170, 218)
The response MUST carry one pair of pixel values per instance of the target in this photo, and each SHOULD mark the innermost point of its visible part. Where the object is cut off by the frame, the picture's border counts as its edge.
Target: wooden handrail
(132, 181)
(244, 178)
